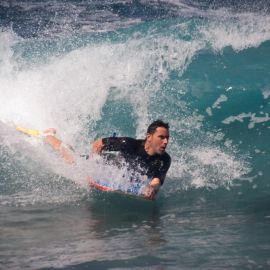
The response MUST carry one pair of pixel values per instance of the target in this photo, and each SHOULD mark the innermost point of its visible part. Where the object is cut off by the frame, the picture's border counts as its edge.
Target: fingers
(149, 193)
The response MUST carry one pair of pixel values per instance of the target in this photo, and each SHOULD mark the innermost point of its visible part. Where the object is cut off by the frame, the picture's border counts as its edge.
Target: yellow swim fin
(29, 132)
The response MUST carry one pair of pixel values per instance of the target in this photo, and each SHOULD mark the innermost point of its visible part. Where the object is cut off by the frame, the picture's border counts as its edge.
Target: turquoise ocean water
(91, 68)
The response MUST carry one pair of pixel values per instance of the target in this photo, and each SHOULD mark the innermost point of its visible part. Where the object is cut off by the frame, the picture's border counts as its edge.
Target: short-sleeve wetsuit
(137, 158)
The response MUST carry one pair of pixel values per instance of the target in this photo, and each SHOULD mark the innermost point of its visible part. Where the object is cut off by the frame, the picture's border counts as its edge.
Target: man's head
(157, 137)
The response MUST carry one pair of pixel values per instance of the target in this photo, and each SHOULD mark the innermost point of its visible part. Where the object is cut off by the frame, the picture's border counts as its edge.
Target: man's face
(158, 140)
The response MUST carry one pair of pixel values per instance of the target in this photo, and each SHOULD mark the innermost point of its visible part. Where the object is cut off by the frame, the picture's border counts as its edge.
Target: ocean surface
(92, 68)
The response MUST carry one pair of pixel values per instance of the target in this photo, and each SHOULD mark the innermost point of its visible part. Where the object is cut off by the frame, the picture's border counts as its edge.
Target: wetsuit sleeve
(122, 144)
(162, 171)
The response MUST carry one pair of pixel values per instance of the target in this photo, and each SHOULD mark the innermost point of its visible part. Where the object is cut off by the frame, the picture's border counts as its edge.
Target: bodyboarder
(146, 157)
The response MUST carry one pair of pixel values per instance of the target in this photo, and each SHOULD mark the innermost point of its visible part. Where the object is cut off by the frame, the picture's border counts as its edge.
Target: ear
(148, 136)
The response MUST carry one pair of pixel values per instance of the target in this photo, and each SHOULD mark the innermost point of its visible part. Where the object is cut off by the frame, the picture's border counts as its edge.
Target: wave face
(93, 68)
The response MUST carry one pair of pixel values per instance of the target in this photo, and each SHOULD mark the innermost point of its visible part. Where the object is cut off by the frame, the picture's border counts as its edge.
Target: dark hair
(158, 123)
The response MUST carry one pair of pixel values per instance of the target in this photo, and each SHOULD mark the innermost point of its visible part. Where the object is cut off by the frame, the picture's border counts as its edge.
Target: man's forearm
(151, 190)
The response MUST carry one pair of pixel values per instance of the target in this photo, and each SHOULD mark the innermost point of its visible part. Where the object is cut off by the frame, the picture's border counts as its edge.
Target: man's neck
(148, 149)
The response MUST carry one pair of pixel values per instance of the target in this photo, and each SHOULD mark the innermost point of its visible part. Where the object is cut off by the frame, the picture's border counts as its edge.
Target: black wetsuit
(137, 158)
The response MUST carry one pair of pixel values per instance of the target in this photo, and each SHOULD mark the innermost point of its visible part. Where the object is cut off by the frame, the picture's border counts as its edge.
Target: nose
(166, 140)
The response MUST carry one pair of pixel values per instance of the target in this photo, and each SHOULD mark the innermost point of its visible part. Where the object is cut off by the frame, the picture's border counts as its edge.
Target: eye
(163, 137)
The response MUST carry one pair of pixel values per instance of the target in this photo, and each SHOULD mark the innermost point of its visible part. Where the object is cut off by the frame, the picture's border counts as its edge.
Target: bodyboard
(133, 190)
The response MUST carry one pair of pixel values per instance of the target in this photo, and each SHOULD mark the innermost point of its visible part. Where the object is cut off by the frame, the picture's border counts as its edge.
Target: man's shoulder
(166, 156)
(130, 144)
(129, 140)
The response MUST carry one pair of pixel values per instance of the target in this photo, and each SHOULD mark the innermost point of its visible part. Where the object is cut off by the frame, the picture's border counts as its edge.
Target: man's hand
(149, 193)
(151, 190)
(97, 146)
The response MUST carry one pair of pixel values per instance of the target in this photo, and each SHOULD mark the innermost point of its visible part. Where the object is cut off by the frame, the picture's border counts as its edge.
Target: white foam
(253, 119)
(67, 90)
(221, 98)
(216, 167)
(266, 93)
(209, 111)
(7, 62)
(240, 31)
(207, 167)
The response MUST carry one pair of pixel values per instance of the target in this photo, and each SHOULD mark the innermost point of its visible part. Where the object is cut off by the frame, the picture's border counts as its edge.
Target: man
(147, 157)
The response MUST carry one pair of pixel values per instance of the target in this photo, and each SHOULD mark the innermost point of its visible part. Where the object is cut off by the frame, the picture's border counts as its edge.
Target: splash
(143, 72)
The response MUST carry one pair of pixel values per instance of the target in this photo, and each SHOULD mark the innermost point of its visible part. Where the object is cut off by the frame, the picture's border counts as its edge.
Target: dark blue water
(91, 68)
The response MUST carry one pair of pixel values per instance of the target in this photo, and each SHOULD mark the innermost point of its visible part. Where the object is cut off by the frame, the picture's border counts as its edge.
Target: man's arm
(65, 151)
(113, 144)
(158, 179)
